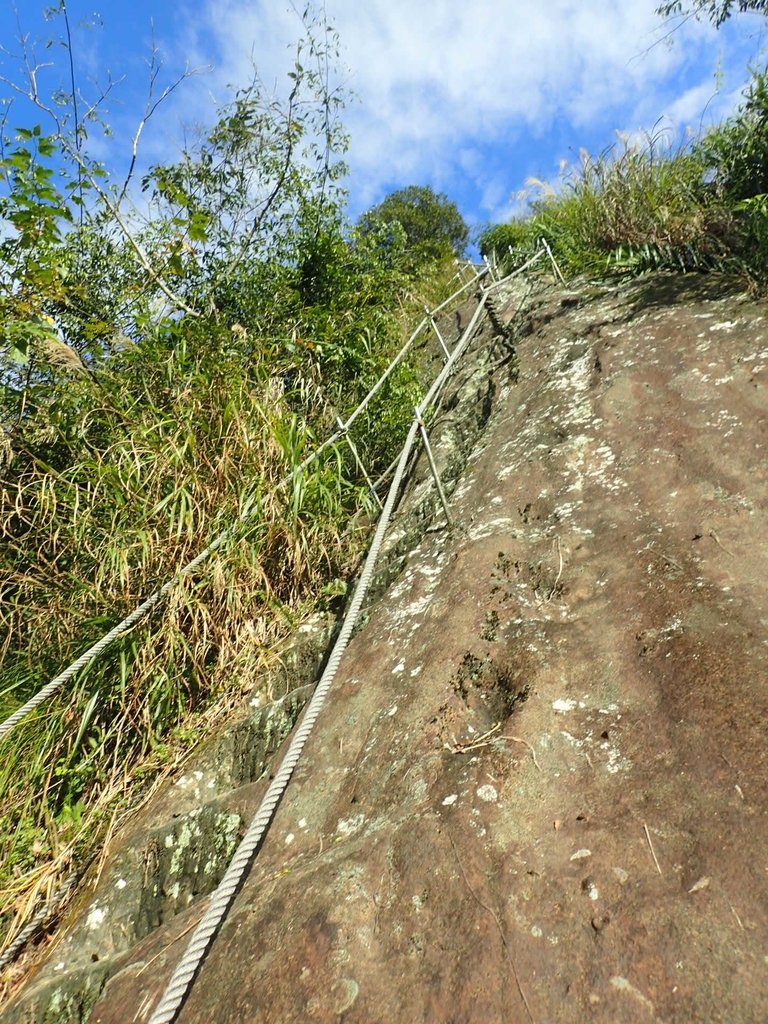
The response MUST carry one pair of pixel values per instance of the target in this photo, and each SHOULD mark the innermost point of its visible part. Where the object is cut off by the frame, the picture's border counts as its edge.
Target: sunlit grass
(647, 203)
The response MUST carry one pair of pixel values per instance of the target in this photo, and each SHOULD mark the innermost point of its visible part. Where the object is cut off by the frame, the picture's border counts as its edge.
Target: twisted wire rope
(166, 1010)
(230, 532)
(222, 897)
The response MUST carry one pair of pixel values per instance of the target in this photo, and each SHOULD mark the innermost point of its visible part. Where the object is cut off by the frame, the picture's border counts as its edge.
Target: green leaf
(198, 225)
(19, 351)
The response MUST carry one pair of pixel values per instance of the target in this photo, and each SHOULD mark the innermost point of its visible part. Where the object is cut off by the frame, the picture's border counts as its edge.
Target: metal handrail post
(433, 465)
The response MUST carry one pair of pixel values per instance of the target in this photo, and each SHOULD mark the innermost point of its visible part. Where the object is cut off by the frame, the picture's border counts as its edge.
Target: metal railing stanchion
(433, 466)
(356, 455)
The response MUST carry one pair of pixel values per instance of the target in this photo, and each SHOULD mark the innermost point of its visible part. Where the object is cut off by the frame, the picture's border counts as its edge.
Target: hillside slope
(538, 791)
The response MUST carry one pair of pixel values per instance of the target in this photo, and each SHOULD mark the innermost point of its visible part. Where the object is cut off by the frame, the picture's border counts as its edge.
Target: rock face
(539, 790)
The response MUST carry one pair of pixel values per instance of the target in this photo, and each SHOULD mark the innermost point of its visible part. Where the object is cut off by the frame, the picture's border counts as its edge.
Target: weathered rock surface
(539, 790)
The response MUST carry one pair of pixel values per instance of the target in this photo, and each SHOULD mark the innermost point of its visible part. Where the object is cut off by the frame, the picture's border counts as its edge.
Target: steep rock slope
(539, 789)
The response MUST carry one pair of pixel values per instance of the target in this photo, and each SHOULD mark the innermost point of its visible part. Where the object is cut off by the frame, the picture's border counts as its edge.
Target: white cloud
(440, 83)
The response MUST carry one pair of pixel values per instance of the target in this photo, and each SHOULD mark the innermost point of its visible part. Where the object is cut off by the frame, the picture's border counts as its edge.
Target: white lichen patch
(433, 572)
(463, 490)
(761, 356)
(417, 607)
(726, 325)
(488, 793)
(96, 916)
(347, 826)
(399, 667)
(482, 530)
(564, 704)
(614, 762)
(415, 671)
(581, 854)
(402, 585)
(569, 738)
(567, 509)
(575, 381)
(449, 801)
(120, 883)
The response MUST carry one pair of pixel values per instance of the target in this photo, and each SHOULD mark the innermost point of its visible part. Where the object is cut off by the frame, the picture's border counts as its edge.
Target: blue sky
(470, 98)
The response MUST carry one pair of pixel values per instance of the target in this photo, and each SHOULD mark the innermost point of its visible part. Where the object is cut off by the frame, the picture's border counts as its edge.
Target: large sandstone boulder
(539, 789)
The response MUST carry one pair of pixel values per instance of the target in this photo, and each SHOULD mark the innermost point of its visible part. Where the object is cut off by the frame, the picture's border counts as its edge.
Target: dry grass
(114, 484)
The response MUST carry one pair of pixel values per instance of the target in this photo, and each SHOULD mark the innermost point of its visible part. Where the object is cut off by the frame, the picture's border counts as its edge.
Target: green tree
(433, 226)
(718, 11)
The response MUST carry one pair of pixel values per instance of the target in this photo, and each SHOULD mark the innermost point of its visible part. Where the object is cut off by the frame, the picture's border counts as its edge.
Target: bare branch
(152, 104)
(78, 143)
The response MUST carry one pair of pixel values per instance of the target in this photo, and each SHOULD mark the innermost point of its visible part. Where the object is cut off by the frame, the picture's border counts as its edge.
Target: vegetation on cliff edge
(653, 204)
(171, 350)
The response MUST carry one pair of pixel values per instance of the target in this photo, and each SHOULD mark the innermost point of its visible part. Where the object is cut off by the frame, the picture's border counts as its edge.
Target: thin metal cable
(480, 273)
(178, 986)
(142, 609)
(553, 261)
(519, 270)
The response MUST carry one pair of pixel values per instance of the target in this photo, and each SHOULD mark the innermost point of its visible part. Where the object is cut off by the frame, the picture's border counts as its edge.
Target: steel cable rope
(525, 266)
(182, 977)
(403, 468)
(230, 532)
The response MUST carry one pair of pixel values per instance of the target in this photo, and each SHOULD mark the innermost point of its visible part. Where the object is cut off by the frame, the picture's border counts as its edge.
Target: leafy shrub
(497, 240)
(630, 200)
(658, 205)
(735, 154)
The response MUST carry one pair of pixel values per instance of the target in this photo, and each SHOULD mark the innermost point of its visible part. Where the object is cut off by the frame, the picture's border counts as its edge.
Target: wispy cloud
(455, 93)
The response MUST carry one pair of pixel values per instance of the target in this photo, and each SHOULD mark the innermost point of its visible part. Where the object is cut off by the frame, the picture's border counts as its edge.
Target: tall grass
(655, 202)
(637, 206)
(118, 477)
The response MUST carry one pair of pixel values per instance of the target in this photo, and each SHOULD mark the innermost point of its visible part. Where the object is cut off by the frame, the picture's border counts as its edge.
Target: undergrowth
(162, 375)
(118, 475)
